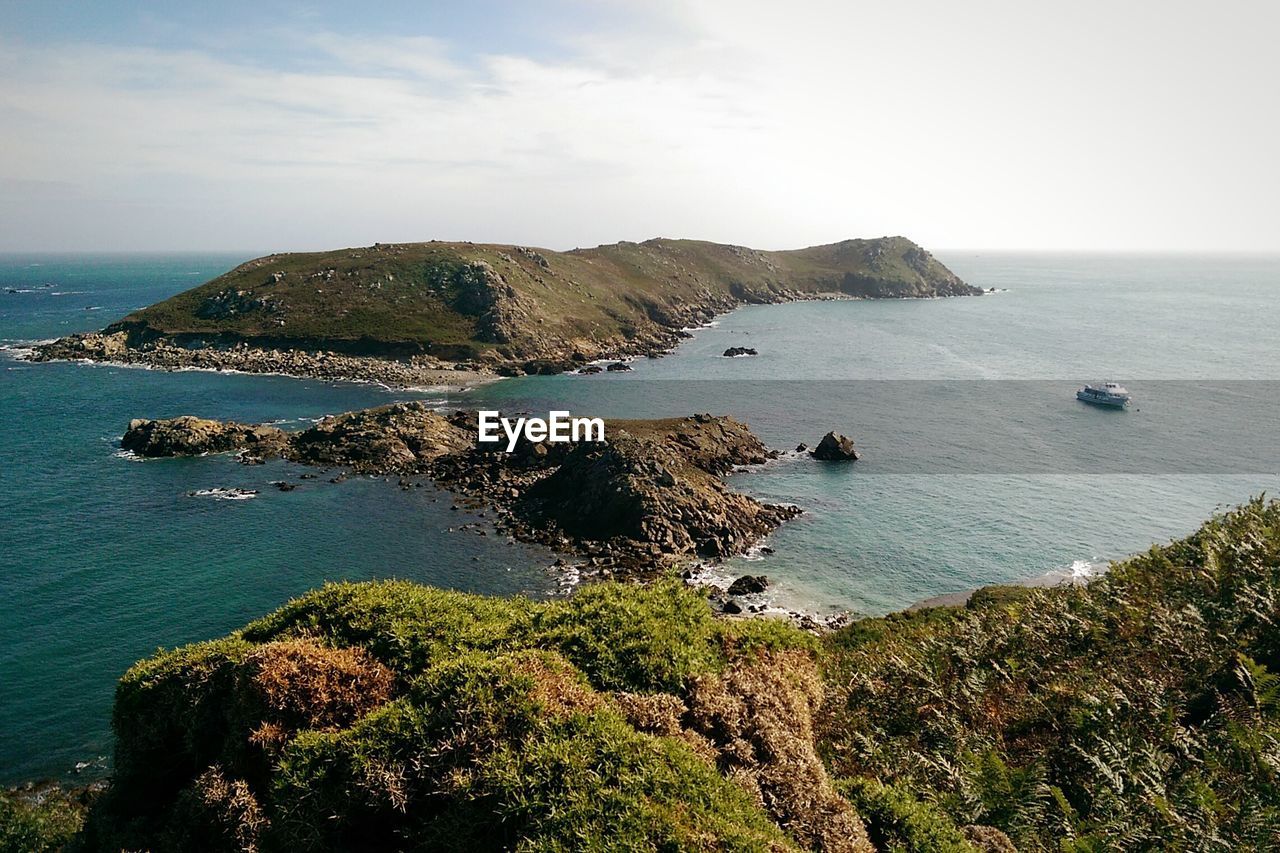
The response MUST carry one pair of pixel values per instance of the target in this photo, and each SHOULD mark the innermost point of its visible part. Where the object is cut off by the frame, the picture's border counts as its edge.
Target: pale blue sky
(284, 126)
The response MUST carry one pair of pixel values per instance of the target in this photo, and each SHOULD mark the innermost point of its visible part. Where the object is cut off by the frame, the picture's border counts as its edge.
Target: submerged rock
(835, 447)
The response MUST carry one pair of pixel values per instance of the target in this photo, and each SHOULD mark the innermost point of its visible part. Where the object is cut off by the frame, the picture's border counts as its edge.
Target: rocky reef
(125, 346)
(652, 493)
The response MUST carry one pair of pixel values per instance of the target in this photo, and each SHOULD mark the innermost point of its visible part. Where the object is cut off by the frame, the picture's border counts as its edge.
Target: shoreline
(97, 348)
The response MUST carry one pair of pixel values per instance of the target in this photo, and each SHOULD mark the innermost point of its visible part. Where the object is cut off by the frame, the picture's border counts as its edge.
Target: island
(444, 313)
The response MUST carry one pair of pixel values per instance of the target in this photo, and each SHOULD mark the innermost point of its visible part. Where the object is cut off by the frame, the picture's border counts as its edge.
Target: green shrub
(998, 596)
(897, 821)
(380, 715)
(513, 750)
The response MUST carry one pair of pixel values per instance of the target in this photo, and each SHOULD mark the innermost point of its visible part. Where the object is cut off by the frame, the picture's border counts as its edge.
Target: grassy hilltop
(461, 301)
(1141, 712)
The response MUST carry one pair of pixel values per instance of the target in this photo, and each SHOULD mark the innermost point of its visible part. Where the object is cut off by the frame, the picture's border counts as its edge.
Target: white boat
(1107, 394)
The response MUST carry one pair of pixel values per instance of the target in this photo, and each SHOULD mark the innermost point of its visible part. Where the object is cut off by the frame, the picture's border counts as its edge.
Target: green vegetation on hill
(463, 300)
(382, 716)
(1139, 712)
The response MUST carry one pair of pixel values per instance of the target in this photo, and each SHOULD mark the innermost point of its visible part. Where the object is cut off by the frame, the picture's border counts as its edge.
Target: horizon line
(257, 253)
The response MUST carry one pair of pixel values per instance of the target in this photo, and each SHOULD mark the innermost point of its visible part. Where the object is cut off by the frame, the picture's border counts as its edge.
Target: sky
(1114, 126)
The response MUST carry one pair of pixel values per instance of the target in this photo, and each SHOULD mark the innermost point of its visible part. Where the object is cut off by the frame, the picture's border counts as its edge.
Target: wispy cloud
(754, 123)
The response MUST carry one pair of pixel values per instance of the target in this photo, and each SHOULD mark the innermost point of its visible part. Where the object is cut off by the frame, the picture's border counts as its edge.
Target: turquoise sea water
(979, 467)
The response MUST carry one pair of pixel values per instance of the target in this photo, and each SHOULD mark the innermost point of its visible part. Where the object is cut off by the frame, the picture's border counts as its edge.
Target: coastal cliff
(652, 493)
(403, 313)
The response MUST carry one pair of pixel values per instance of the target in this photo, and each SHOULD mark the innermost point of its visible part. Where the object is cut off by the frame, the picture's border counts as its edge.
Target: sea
(979, 465)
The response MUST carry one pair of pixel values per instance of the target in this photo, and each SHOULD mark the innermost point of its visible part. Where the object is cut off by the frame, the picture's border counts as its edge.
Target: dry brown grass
(663, 714)
(305, 685)
(759, 716)
(557, 688)
(231, 809)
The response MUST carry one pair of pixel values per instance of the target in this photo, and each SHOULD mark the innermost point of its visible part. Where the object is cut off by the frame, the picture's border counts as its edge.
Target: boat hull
(1106, 403)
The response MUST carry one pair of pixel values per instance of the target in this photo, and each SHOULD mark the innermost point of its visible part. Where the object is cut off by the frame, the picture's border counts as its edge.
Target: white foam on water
(786, 457)
(569, 579)
(17, 352)
(222, 494)
(1084, 569)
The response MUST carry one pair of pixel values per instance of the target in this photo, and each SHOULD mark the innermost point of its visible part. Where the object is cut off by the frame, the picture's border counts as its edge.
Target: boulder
(749, 584)
(835, 447)
(618, 367)
(734, 352)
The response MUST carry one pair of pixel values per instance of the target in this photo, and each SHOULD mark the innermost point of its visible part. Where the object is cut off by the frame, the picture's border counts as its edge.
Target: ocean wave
(711, 324)
(1085, 569)
(128, 455)
(18, 351)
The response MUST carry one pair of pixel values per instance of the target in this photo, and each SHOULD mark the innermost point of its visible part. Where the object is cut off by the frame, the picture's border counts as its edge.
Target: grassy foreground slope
(463, 301)
(1141, 712)
(389, 716)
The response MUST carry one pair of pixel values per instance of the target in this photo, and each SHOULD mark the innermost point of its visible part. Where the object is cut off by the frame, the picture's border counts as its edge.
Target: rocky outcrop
(191, 436)
(652, 492)
(749, 585)
(397, 439)
(835, 447)
(735, 352)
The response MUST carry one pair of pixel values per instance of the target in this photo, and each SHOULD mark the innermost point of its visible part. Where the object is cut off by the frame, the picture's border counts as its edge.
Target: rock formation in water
(835, 447)
(651, 492)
